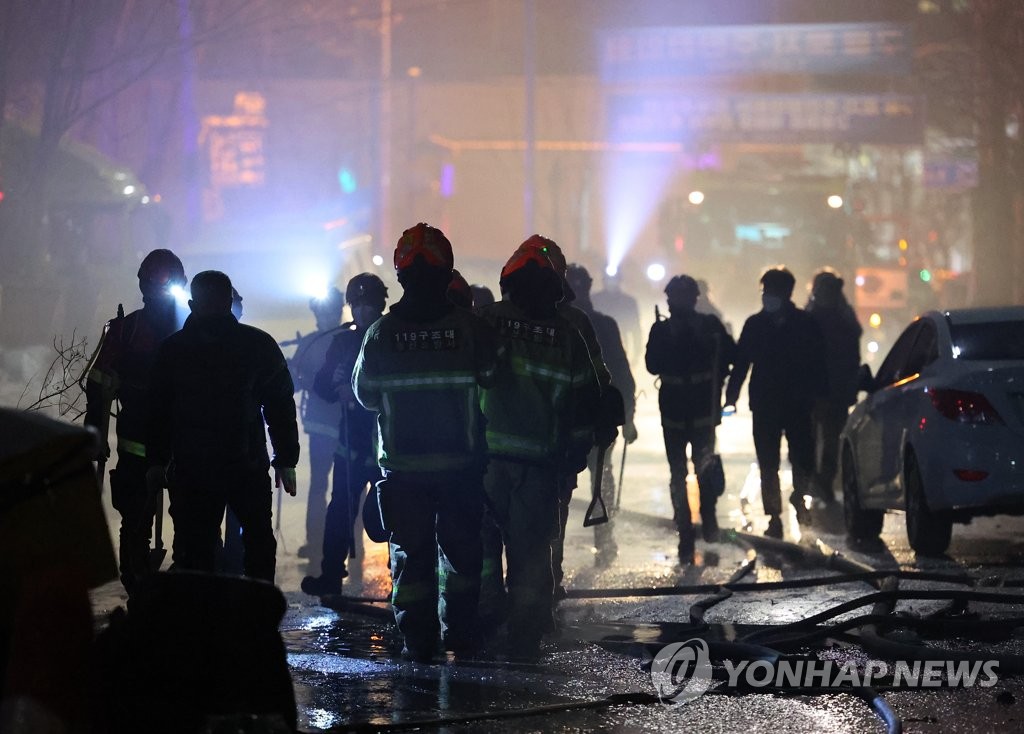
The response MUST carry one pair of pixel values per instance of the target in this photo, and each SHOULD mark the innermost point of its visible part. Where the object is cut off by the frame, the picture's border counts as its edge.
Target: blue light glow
(347, 181)
(634, 187)
(180, 295)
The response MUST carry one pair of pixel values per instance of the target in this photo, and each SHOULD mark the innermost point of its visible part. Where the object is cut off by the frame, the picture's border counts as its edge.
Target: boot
(774, 528)
(687, 539)
(709, 526)
(321, 586)
(803, 514)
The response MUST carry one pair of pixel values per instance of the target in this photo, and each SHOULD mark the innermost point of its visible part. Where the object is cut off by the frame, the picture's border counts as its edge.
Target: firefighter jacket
(218, 385)
(122, 369)
(787, 352)
(613, 354)
(356, 430)
(691, 354)
(541, 409)
(423, 378)
(581, 321)
(318, 415)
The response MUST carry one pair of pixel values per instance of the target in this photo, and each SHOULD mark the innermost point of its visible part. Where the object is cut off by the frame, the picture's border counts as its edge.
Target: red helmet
(459, 291)
(524, 254)
(550, 249)
(426, 241)
(163, 268)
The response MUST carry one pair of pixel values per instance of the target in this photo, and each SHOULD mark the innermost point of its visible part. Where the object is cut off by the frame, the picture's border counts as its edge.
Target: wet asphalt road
(347, 674)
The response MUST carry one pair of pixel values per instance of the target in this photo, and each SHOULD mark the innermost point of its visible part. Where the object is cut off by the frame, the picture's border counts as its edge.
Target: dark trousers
(348, 488)
(232, 557)
(436, 556)
(769, 427)
(137, 507)
(197, 507)
(522, 503)
(566, 485)
(829, 420)
(321, 458)
(701, 441)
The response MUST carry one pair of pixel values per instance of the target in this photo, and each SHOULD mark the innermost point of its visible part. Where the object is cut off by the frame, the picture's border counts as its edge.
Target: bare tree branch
(59, 389)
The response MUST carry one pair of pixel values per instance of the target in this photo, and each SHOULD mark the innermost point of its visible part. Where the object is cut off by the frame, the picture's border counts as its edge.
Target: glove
(342, 381)
(629, 432)
(156, 479)
(285, 477)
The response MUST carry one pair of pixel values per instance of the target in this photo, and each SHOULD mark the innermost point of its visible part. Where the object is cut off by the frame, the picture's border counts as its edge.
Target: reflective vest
(542, 404)
(424, 380)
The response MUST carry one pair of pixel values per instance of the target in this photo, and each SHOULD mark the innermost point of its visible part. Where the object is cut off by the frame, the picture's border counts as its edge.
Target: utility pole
(384, 132)
(189, 122)
(529, 80)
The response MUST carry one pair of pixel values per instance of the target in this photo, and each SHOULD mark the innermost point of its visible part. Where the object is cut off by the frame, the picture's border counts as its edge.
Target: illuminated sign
(880, 288)
(235, 142)
(771, 118)
(634, 54)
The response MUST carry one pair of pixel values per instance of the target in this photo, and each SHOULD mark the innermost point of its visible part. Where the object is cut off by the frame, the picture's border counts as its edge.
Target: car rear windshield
(988, 341)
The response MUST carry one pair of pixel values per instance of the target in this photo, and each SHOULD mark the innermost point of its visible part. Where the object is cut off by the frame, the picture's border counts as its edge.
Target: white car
(941, 433)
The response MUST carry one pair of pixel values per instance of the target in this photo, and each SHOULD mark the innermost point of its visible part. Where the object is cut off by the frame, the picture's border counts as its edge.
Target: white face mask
(770, 303)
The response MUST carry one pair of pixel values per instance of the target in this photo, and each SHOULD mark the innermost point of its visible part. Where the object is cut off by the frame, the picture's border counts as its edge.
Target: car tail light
(963, 406)
(970, 475)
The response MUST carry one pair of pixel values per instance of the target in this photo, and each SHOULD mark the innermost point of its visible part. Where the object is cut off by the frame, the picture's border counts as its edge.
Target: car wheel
(929, 532)
(861, 524)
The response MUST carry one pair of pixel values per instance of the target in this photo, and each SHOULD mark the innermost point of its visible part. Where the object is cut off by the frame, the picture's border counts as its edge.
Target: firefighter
(841, 330)
(421, 368)
(539, 428)
(121, 371)
(610, 340)
(622, 307)
(785, 347)
(605, 430)
(691, 353)
(354, 462)
(320, 419)
(217, 387)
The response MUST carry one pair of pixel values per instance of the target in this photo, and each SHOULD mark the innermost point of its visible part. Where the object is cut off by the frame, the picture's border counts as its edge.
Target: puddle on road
(348, 671)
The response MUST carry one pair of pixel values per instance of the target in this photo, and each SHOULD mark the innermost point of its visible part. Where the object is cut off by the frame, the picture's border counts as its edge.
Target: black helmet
(578, 278)
(682, 285)
(366, 288)
(162, 268)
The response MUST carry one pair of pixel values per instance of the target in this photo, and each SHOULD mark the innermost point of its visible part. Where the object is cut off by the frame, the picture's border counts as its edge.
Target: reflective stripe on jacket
(424, 379)
(542, 404)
